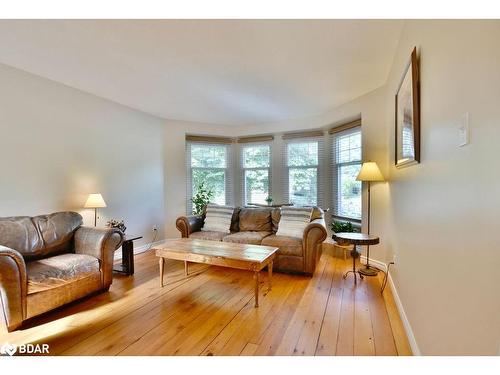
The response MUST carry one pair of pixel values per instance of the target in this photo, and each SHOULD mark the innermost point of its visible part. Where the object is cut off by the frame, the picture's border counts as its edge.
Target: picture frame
(407, 119)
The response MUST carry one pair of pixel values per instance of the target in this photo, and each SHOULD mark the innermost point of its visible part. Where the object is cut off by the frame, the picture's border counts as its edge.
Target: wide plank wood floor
(211, 312)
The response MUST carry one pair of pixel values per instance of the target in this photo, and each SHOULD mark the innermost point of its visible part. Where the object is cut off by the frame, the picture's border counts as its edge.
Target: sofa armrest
(314, 234)
(13, 287)
(189, 224)
(102, 244)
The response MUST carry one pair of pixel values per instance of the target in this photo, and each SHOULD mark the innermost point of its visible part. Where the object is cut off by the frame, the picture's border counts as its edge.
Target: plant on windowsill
(269, 200)
(201, 198)
(342, 226)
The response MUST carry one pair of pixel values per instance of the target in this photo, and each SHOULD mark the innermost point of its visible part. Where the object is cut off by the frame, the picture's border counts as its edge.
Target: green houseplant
(201, 198)
(342, 226)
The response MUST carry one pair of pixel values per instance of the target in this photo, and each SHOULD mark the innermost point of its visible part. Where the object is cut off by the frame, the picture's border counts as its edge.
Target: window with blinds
(256, 172)
(346, 163)
(303, 176)
(209, 163)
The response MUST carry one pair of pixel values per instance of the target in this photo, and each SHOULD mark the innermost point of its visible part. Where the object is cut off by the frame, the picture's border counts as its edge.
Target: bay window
(256, 173)
(346, 166)
(303, 172)
(209, 164)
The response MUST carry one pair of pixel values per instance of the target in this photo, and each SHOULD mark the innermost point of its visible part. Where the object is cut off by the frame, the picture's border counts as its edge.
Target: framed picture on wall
(408, 115)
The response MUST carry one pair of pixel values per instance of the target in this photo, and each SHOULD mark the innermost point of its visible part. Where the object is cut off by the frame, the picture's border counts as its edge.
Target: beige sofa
(259, 226)
(50, 260)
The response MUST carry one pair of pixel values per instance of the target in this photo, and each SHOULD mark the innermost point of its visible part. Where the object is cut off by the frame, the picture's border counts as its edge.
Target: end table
(356, 239)
(127, 266)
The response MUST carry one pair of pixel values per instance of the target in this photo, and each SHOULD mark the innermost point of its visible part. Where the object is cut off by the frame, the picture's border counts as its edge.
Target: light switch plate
(463, 130)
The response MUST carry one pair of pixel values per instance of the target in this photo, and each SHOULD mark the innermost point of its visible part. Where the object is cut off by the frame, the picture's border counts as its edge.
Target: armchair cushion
(59, 270)
(40, 236)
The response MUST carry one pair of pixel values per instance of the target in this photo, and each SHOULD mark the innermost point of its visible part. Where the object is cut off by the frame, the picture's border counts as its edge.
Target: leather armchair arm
(189, 224)
(314, 234)
(13, 287)
(102, 244)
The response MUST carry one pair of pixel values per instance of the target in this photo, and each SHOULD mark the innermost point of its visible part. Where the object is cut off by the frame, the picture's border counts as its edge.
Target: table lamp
(369, 173)
(95, 201)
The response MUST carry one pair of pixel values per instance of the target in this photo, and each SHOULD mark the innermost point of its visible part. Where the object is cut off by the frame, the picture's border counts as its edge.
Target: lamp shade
(370, 172)
(95, 201)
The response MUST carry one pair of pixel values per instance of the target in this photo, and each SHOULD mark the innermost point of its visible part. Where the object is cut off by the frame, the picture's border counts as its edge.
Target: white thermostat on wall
(463, 130)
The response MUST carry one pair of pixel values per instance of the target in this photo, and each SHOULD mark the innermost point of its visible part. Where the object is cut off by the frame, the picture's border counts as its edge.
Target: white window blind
(303, 178)
(346, 163)
(255, 172)
(210, 163)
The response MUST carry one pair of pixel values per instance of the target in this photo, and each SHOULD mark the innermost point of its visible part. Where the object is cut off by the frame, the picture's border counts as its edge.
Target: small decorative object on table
(118, 224)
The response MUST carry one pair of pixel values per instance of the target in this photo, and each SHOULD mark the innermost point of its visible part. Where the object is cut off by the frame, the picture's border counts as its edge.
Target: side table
(355, 239)
(127, 265)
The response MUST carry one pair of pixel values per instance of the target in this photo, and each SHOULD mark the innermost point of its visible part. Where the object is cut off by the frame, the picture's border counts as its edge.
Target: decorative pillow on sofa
(293, 221)
(218, 218)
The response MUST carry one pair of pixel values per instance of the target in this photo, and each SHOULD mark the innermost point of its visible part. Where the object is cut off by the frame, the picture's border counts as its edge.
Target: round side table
(355, 239)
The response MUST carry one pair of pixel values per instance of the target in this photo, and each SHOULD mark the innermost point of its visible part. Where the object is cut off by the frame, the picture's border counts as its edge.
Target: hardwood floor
(212, 313)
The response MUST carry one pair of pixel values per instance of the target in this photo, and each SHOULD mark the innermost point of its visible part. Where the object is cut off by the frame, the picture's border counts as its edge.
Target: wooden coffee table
(233, 255)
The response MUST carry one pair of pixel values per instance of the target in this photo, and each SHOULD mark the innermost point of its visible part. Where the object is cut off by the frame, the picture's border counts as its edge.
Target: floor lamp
(95, 201)
(369, 173)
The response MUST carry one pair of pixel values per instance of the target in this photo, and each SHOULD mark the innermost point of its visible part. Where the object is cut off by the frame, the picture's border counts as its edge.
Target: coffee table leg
(161, 262)
(185, 268)
(270, 273)
(256, 278)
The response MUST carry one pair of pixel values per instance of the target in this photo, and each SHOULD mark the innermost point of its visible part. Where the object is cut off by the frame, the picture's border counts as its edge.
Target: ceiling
(234, 72)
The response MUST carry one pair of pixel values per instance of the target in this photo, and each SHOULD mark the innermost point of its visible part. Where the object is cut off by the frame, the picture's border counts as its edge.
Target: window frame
(319, 139)
(228, 169)
(244, 169)
(336, 168)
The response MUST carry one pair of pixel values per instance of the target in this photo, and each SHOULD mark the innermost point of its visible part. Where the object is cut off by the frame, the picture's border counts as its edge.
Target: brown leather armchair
(47, 261)
(259, 226)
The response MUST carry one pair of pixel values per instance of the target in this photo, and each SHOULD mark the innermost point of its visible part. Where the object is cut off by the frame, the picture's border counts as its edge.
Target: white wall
(444, 212)
(58, 144)
(175, 166)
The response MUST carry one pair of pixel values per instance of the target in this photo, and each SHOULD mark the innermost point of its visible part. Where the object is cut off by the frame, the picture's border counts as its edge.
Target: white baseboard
(138, 250)
(406, 324)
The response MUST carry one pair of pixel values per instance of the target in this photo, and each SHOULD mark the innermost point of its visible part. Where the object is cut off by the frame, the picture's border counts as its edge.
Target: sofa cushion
(218, 218)
(40, 236)
(208, 235)
(255, 219)
(293, 221)
(287, 245)
(251, 238)
(59, 270)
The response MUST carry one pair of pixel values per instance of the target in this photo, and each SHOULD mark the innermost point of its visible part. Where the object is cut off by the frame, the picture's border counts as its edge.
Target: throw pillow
(218, 218)
(293, 221)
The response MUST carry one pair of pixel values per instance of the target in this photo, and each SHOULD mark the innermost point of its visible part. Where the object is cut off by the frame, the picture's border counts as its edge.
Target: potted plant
(342, 226)
(201, 198)
(118, 224)
(269, 200)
